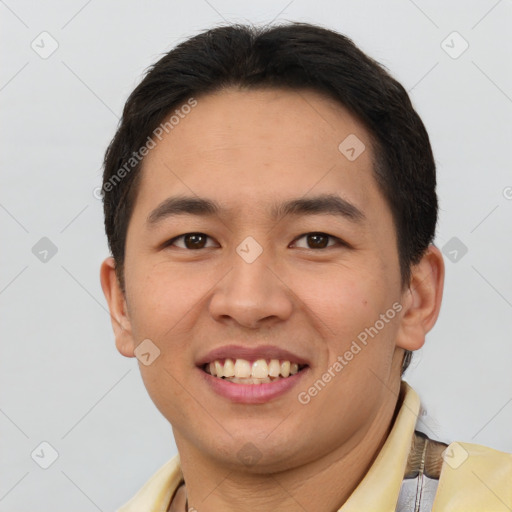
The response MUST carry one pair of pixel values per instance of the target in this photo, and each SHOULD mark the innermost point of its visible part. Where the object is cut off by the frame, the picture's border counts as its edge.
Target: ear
(422, 300)
(118, 308)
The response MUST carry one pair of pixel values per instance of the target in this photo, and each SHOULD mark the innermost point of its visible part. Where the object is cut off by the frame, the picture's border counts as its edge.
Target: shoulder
(474, 478)
(155, 495)
(455, 477)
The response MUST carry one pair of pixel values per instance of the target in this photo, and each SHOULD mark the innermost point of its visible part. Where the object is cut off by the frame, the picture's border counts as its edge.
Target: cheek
(165, 307)
(164, 297)
(343, 300)
(346, 306)
(165, 387)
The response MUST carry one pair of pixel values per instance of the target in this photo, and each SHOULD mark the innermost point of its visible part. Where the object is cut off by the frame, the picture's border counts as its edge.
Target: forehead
(249, 149)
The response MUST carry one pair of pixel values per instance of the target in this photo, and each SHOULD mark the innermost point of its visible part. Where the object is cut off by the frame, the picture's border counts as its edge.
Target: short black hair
(297, 56)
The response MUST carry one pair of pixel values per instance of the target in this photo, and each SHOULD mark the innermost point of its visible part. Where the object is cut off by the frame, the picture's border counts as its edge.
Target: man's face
(250, 153)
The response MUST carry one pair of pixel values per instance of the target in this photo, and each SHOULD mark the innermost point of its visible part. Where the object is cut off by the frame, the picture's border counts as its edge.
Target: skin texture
(249, 150)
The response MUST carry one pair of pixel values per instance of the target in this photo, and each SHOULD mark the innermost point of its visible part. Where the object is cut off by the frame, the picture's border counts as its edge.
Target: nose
(252, 294)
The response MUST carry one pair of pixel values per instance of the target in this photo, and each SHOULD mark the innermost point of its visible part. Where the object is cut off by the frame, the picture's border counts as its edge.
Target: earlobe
(422, 300)
(117, 306)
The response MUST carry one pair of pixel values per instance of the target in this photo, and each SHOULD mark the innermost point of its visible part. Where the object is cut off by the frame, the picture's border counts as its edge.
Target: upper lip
(251, 354)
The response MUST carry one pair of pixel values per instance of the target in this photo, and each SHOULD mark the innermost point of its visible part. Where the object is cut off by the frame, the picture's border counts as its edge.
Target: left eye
(190, 241)
(318, 240)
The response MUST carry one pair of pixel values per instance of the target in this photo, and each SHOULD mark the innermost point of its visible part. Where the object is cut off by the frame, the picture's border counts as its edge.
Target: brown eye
(194, 241)
(317, 241)
(190, 241)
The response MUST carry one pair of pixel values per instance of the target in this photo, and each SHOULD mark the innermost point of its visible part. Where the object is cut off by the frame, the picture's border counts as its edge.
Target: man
(270, 206)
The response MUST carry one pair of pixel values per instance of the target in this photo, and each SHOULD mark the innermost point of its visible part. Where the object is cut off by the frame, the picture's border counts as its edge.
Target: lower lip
(252, 393)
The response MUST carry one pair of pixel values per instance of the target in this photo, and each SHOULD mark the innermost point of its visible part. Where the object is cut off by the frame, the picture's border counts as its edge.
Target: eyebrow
(323, 204)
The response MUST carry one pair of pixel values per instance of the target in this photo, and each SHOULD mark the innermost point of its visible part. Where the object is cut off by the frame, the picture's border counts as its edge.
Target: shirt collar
(380, 487)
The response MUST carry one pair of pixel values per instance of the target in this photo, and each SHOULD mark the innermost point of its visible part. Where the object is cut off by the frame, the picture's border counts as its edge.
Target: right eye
(192, 241)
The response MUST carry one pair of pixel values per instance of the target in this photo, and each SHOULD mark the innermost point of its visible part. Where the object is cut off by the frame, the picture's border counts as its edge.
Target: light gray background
(62, 380)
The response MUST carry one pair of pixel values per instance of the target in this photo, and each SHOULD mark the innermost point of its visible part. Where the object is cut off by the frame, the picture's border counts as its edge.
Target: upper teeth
(260, 369)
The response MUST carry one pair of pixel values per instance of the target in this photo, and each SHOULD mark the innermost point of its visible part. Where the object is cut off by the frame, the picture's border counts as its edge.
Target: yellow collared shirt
(473, 478)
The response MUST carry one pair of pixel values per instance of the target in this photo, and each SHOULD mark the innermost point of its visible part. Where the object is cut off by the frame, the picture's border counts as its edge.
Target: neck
(323, 484)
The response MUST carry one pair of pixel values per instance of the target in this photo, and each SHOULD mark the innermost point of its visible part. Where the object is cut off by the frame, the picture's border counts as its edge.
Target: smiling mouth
(261, 371)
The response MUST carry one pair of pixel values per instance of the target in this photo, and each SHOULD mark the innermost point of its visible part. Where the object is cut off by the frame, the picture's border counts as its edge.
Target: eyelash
(339, 241)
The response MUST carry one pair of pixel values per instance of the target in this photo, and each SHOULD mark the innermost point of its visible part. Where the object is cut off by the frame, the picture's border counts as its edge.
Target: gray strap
(417, 494)
(422, 473)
